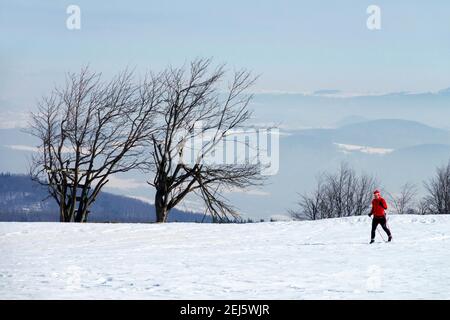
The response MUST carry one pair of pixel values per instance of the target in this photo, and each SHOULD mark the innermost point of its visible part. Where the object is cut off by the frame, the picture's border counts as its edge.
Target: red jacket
(378, 207)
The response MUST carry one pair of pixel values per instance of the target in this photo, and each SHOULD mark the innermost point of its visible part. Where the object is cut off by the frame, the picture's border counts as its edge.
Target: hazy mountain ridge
(384, 133)
(297, 110)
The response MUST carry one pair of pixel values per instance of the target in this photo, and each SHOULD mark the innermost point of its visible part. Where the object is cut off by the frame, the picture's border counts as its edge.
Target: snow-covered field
(328, 259)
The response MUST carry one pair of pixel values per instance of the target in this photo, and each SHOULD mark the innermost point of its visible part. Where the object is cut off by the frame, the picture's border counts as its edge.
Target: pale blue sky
(297, 46)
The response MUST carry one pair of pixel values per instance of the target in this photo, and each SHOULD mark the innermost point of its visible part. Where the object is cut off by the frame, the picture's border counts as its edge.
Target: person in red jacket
(379, 217)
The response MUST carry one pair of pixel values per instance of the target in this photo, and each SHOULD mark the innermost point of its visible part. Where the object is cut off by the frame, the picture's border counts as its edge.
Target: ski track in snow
(327, 259)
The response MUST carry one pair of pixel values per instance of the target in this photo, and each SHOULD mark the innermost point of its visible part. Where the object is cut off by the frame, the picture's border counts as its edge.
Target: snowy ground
(329, 259)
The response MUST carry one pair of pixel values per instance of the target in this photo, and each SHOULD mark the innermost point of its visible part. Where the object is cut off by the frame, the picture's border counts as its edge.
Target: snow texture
(327, 259)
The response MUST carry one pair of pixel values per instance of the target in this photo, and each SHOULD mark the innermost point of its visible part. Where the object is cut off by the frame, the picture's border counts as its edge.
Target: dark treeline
(22, 199)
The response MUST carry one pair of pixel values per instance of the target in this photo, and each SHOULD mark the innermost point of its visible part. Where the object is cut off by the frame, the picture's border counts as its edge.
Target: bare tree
(423, 207)
(438, 187)
(89, 130)
(347, 193)
(192, 97)
(363, 195)
(312, 205)
(340, 194)
(340, 189)
(404, 200)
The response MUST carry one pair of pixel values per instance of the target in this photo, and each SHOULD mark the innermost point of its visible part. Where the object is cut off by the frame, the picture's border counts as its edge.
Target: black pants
(382, 221)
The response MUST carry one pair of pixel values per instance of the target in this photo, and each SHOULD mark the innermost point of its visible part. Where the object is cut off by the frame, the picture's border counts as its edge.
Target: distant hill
(22, 199)
(385, 133)
(350, 120)
(306, 110)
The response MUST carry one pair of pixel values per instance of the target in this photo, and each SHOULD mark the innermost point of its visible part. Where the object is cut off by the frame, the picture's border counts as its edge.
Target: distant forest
(22, 199)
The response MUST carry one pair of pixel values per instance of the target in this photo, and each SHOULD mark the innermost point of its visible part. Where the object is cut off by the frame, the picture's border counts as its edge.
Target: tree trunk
(62, 207)
(62, 217)
(80, 217)
(81, 211)
(160, 207)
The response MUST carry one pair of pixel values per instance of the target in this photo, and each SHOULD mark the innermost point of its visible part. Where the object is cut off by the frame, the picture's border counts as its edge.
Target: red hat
(376, 191)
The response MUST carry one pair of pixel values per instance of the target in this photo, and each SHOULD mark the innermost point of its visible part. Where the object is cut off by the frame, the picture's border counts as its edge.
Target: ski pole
(381, 235)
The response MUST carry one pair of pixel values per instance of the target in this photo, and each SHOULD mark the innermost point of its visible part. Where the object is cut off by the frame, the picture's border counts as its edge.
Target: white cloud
(21, 147)
(348, 148)
(327, 93)
(125, 184)
(251, 192)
